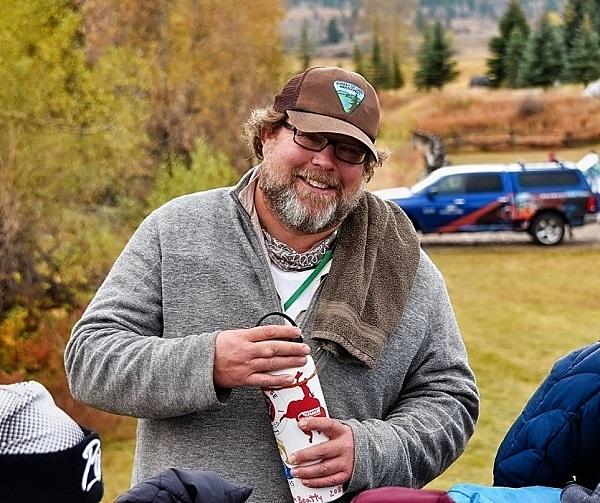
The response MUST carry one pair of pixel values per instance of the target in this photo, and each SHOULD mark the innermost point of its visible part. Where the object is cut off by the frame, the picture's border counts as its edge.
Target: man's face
(308, 191)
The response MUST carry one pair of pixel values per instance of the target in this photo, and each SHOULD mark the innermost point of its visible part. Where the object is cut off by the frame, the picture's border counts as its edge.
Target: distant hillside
(486, 9)
(447, 9)
(473, 22)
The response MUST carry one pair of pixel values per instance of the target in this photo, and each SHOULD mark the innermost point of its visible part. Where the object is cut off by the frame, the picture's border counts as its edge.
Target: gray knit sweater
(145, 347)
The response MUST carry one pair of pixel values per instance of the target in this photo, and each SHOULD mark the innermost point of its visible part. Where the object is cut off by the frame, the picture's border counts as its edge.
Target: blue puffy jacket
(557, 436)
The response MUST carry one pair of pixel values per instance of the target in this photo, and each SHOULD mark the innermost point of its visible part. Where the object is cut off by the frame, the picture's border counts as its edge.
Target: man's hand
(244, 357)
(336, 456)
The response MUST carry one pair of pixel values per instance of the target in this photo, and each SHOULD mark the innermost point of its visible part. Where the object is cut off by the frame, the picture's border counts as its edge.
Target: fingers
(269, 380)
(268, 349)
(277, 363)
(324, 474)
(334, 458)
(327, 425)
(270, 332)
(245, 357)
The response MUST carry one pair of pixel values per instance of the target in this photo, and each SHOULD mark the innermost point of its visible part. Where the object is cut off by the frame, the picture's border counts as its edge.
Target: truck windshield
(426, 182)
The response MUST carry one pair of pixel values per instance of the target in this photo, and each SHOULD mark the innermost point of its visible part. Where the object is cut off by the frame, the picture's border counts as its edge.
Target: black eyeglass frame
(326, 141)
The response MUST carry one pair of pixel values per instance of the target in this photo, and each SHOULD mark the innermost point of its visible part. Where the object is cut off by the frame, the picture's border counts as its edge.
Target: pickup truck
(539, 198)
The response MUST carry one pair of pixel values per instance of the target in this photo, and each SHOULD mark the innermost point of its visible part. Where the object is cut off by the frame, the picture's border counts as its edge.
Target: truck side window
(452, 184)
(553, 179)
(484, 182)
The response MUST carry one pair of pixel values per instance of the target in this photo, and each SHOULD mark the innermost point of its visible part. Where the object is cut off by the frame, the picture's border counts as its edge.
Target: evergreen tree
(435, 64)
(379, 68)
(420, 22)
(574, 14)
(305, 49)
(515, 50)
(544, 59)
(512, 18)
(397, 75)
(334, 35)
(358, 60)
(583, 64)
(596, 15)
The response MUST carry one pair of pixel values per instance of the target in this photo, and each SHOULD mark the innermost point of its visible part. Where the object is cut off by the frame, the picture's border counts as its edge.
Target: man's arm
(117, 360)
(435, 414)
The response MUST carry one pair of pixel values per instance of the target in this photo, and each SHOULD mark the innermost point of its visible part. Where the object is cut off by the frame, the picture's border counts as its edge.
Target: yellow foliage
(210, 65)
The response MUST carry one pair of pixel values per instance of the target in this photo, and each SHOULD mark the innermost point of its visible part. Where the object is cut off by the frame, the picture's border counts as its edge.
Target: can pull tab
(283, 315)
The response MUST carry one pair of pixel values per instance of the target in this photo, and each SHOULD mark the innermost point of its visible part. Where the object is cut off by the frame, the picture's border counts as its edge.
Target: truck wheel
(547, 229)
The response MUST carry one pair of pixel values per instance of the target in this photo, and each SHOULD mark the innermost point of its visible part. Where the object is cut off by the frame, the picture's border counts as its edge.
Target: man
(170, 337)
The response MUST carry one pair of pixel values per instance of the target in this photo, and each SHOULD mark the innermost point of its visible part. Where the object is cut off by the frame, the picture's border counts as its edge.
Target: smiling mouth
(316, 184)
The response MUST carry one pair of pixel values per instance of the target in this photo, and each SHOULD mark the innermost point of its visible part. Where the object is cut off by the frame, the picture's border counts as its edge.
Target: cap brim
(317, 123)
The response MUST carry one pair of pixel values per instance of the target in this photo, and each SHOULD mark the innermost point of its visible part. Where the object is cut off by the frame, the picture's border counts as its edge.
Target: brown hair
(264, 121)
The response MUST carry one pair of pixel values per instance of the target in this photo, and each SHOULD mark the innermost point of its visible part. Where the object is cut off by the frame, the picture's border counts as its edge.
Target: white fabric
(287, 282)
(31, 423)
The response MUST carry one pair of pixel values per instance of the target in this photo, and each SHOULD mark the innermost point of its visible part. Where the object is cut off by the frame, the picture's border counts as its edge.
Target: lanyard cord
(322, 263)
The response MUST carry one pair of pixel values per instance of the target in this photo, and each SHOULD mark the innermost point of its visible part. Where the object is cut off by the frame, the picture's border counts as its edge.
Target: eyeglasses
(346, 152)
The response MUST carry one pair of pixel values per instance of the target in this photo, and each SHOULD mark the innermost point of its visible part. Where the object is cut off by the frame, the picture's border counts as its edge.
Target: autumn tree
(305, 48)
(209, 66)
(390, 22)
(71, 146)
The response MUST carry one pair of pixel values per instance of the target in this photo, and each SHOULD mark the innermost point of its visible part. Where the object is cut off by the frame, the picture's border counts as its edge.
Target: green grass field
(519, 307)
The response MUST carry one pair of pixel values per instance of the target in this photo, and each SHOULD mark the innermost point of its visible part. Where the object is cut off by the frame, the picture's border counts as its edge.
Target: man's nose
(325, 158)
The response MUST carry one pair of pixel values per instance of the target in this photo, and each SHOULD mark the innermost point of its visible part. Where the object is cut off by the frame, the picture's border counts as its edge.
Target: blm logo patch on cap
(349, 94)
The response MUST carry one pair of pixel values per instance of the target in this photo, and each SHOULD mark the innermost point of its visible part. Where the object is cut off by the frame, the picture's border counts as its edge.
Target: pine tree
(544, 59)
(379, 68)
(596, 15)
(573, 16)
(305, 49)
(358, 60)
(515, 50)
(583, 64)
(397, 75)
(435, 64)
(512, 18)
(334, 35)
(420, 22)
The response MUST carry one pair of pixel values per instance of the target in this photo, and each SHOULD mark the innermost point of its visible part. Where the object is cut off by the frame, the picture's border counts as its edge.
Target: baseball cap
(331, 100)
(45, 456)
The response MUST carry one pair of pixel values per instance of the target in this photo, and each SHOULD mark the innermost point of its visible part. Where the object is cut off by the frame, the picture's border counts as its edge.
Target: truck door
(470, 202)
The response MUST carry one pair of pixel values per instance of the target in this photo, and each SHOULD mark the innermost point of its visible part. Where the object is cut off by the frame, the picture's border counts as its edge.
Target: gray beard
(286, 205)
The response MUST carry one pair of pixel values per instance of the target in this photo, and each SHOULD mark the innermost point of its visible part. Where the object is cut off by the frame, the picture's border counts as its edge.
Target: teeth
(316, 184)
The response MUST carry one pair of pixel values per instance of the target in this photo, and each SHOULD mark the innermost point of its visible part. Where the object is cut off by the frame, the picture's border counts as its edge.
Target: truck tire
(547, 228)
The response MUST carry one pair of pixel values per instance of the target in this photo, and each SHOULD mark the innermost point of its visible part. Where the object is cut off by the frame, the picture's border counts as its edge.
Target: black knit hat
(45, 457)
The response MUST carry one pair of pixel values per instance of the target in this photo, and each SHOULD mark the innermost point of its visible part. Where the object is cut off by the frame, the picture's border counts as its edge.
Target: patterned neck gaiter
(290, 260)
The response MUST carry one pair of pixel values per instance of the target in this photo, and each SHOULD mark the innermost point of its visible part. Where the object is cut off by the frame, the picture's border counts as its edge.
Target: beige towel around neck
(372, 273)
